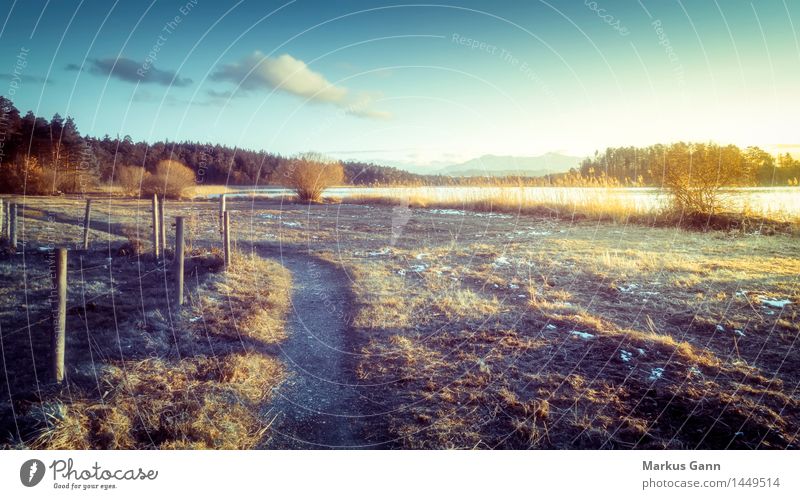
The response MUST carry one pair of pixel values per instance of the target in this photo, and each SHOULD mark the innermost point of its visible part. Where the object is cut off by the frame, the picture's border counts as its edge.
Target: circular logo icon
(31, 472)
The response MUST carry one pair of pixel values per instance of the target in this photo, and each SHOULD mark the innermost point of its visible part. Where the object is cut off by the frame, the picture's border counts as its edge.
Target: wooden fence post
(7, 232)
(179, 260)
(222, 210)
(86, 220)
(58, 337)
(226, 237)
(163, 235)
(156, 231)
(12, 226)
(8, 220)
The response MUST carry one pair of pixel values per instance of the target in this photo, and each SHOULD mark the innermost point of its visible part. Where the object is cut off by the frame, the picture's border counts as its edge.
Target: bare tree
(309, 175)
(695, 174)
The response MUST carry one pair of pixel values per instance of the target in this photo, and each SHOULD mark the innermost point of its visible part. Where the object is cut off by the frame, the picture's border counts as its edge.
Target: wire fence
(31, 272)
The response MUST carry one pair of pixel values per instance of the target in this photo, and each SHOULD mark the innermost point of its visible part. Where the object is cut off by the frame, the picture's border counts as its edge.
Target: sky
(411, 85)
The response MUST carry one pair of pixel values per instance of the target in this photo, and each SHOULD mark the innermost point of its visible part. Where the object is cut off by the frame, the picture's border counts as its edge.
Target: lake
(770, 201)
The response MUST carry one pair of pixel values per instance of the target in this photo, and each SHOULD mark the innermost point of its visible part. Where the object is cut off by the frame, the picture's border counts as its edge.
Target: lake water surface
(773, 201)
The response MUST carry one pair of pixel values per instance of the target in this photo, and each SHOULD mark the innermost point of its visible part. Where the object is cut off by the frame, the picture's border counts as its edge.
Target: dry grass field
(465, 329)
(141, 373)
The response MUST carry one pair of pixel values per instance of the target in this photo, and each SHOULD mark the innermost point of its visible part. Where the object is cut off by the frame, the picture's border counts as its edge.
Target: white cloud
(361, 106)
(290, 75)
(371, 113)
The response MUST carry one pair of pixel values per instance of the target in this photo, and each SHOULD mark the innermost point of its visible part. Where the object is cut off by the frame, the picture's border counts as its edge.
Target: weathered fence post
(156, 231)
(12, 226)
(222, 210)
(58, 337)
(8, 220)
(179, 261)
(163, 236)
(226, 237)
(7, 232)
(86, 220)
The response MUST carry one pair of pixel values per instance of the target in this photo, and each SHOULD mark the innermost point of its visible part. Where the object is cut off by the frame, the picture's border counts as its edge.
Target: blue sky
(411, 85)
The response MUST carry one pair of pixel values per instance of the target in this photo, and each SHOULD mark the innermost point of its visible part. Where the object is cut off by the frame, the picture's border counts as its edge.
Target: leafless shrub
(309, 174)
(170, 180)
(130, 179)
(696, 173)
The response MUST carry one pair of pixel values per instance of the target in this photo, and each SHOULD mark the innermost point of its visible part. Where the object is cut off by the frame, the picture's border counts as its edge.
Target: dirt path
(319, 406)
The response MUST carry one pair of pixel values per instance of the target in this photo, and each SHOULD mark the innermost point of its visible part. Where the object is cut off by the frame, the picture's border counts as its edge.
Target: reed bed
(599, 204)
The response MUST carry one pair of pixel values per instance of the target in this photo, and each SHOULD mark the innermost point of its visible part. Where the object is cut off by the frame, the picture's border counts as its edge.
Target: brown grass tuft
(210, 397)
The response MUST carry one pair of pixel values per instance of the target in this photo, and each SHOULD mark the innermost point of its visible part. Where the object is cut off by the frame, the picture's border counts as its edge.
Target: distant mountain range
(498, 166)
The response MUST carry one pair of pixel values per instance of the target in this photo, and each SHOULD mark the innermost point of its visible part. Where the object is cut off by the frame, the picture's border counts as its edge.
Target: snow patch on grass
(774, 302)
(656, 373)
